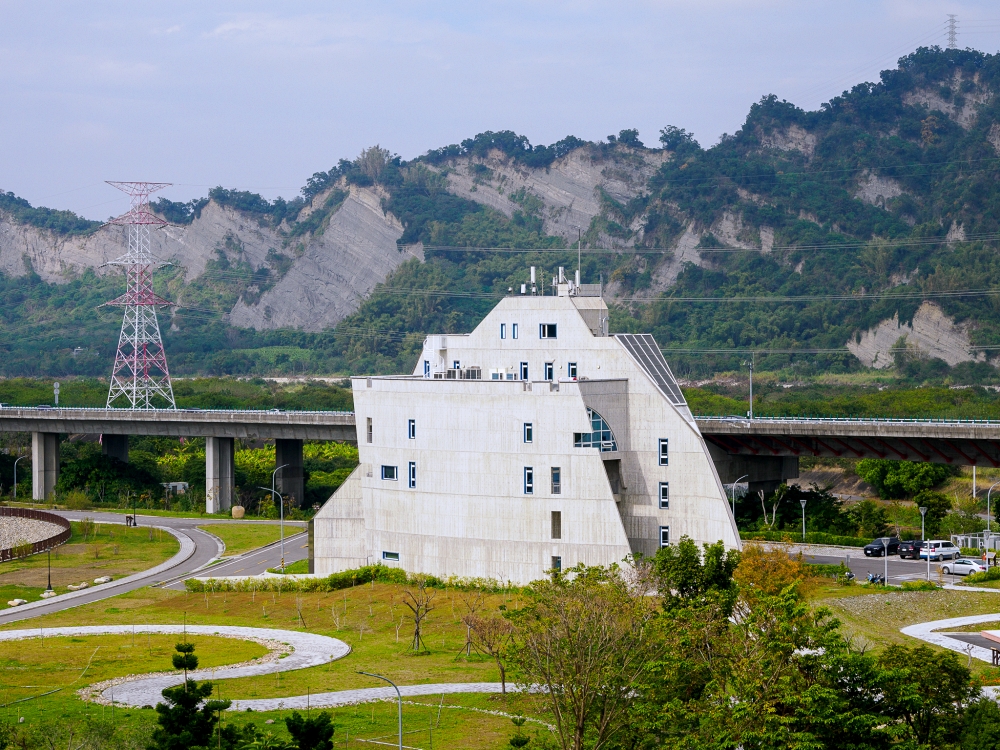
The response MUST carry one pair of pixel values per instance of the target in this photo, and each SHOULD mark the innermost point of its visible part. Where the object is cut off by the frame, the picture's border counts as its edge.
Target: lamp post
(399, 698)
(802, 500)
(48, 553)
(885, 557)
(732, 492)
(749, 363)
(988, 510)
(15, 476)
(923, 516)
(281, 511)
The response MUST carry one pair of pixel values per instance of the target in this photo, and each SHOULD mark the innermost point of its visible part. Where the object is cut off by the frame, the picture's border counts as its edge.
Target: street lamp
(732, 492)
(749, 363)
(399, 698)
(927, 549)
(15, 476)
(48, 554)
(988, 508)
(802, 500)
(281, 511)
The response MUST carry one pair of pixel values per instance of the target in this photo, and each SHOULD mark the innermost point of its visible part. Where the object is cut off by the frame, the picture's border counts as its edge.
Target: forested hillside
(861, 234)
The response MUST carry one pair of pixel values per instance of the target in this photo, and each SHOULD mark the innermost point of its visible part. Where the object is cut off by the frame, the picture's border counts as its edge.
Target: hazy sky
(259, 95)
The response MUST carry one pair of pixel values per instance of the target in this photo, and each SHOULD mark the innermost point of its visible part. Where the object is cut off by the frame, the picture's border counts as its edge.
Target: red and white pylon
(140, 374)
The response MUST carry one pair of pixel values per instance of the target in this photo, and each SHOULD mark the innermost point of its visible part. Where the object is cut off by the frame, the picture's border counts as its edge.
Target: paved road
(198, 549)
(899, 570)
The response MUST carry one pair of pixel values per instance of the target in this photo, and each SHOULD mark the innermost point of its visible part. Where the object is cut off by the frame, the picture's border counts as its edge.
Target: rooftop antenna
(952, 31)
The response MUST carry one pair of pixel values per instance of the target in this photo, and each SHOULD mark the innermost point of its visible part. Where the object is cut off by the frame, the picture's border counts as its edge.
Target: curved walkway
(309, 650)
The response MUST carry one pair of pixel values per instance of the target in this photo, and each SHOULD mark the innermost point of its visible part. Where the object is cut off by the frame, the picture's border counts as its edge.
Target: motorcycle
(876, 579)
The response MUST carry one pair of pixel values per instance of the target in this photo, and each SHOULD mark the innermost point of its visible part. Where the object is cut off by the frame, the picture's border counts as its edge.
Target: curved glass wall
(602, 437)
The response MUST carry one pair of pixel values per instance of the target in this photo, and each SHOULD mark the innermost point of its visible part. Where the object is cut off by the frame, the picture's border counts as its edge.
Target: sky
(260, 95)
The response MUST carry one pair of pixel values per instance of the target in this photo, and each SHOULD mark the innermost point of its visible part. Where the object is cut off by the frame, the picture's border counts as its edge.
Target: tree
(584, 638)
(185, 658)
(188, 719)
(491, 636)
(311, 732)
(938, 505)
(418, 600)
(896, 479)
(927, 693)
(982, 726)
(869, 518)
(684, 573)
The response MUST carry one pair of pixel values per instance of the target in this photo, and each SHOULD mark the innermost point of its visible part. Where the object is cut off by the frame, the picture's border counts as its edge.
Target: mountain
(862, 234)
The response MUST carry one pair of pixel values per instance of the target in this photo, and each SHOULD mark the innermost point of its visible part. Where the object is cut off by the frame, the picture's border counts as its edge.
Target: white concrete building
(536, 441)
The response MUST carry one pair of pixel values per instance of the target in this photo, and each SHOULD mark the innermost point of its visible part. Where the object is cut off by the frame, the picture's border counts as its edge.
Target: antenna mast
(140, 373)
(952, 31)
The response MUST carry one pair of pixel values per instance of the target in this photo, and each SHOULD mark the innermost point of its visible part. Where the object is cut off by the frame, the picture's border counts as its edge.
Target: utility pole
(952, 31)
(749, 363)
(140, 372)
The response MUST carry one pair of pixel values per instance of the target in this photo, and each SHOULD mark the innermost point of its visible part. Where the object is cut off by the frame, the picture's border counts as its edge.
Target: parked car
(963, 566)
(878, 547)
(911, 549)
(938, 549)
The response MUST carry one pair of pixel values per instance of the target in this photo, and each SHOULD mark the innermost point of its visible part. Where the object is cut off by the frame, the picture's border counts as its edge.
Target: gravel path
(307, 650)
(15, 531)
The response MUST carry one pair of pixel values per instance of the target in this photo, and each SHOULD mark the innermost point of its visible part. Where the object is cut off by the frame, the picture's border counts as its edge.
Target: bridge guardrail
(48, 409)
(849, 420)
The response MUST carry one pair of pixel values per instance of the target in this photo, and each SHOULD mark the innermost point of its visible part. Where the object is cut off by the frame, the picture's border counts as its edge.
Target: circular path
(308, 650)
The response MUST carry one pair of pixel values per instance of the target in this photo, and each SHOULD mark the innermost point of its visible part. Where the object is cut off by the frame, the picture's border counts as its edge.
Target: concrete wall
(468, 514)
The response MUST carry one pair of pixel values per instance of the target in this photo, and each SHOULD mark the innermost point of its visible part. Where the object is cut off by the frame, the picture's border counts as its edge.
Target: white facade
(489, 477)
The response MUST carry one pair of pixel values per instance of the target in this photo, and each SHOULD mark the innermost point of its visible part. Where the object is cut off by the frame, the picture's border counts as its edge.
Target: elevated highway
(766, 449)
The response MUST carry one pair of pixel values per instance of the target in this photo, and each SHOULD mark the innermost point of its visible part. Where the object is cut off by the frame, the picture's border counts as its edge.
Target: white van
(939, 550)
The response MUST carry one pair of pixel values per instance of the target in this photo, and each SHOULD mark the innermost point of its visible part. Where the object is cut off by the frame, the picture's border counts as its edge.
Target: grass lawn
(243, 537)
(108, 550)
(365, 617)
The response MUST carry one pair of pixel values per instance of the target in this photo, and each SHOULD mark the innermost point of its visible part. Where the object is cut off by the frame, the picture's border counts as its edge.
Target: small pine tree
(312, 732)
(185, 659)
(519, 739)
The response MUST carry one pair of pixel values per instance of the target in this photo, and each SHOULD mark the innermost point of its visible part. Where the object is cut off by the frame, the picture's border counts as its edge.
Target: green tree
(188, 718)
(896, 479)
(981, 730)
(583, 636)
(938, 506)
(310, 732)
(684, 572)
(927, 693)
(869, 518)
(185, 658)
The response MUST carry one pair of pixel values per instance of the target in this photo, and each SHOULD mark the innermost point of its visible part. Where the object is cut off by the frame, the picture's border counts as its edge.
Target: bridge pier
(762, 472)
(290, 481)
(44, 464)
(115, 446)
(220, 473)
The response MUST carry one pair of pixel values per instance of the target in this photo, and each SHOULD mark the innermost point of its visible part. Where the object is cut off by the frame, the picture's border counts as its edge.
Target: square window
(503, 330)
(664, 494)
(390, 472)
(556, 563)
(456, 365)
(390, 556)
(571, 370)
(549, 371)
(663, 452)
(556, 480)
(513, 330)
(369, 429)
(411, 430)
(664, 536)
(557, 524)
(546, 330)
(412, 475)
(529, 480)
(427, 368)
(524, 371)
(529, 432)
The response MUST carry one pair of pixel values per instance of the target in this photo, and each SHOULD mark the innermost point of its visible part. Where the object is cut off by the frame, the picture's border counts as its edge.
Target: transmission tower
(952, 31)
(140, 373)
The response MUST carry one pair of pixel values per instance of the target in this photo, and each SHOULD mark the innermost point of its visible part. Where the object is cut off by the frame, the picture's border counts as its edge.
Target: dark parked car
(910, 549)
(878, 546)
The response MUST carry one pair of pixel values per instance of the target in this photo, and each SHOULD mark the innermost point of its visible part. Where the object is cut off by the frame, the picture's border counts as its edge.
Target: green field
(106, 550)
(243, 537)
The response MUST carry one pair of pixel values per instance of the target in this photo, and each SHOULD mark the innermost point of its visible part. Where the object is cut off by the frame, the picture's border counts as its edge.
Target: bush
(993, 574)
(919, 586)
(826, 571)
(812, 537)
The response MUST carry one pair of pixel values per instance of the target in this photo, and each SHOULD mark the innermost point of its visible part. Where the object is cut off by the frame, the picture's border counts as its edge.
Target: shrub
(919, 586)
(812, 537)
(992, 574)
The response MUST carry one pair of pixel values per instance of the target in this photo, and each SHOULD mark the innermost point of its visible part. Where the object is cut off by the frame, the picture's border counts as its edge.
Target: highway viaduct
(767, 450)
